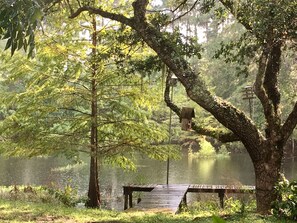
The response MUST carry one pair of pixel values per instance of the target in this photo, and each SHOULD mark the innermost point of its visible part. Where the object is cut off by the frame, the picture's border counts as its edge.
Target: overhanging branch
(218, 134)
(105, 14)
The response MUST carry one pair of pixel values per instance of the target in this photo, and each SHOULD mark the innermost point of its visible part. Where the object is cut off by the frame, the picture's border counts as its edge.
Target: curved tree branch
(260, 90)
(224, 112)
(180, 5)
(113, 16)
(289, 125)
(266, 87)
(185, 13)
(218, 134)
(167, 99)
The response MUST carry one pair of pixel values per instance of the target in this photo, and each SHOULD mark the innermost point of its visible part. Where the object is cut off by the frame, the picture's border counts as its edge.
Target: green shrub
(223, 151)
(68, 196)
(207, 150)
(286, 206)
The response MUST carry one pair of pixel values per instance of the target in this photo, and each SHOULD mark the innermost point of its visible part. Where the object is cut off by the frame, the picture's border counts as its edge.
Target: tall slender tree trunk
(94, 190)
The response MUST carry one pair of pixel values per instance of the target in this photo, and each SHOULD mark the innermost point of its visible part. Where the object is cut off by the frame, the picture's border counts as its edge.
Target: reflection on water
(236, 169)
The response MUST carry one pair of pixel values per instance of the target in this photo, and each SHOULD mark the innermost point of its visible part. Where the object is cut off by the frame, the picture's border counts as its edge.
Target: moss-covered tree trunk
(267, 175)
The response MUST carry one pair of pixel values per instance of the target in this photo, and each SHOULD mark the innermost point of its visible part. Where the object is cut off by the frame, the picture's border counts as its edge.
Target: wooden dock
(167, 198)
(163, 198)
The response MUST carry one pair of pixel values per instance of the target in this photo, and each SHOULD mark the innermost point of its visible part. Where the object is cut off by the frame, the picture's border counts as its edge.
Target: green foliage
(240, 51)
(184, 45)
(67, 196)
(223, 151)
(145, 66)
(206, 149)
(19, 20)
(263, 21)
(211, 206)
(46, 101)
(159, 20)
(286, 206)
(217, 219)
(241, 205)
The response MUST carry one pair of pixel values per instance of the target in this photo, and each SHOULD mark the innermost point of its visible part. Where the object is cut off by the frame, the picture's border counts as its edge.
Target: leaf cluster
(272, 19)
(19, 19)
(286, 206)
(241, 51)
(184, 45)
(159, 20)
(145, 66)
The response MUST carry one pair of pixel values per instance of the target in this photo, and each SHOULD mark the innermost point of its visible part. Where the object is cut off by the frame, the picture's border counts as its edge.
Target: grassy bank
(42, 205)
(24, 211)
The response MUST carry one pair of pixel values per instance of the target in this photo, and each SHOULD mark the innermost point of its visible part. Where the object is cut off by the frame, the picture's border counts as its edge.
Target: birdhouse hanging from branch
(186, 118)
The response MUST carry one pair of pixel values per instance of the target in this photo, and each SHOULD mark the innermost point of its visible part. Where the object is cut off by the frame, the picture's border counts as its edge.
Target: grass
(24, 211)
(36, 204)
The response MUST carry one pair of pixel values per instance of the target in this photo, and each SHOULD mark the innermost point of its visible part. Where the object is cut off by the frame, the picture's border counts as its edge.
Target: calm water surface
(236, 169)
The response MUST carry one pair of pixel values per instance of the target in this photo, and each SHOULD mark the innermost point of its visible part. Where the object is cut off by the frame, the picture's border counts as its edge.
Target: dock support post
(130, 199)
(125, 192)
(127, 197)
(221, 196)
(184, 201)
(125, 201)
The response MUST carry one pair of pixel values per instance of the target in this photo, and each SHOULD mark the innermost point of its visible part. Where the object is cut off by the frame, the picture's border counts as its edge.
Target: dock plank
(163, 197)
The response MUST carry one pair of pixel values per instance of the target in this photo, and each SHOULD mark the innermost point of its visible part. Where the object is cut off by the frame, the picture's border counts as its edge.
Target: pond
(237, 169)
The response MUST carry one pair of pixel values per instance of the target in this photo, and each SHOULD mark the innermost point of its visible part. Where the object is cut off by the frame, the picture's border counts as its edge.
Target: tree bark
(94, 190)
(267, 173)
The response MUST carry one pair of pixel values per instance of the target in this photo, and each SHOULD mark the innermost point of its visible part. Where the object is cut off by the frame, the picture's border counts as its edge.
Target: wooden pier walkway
(163, 198)
(167, 198)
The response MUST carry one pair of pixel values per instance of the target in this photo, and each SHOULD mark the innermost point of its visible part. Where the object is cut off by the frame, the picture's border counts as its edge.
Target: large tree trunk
(267, 173)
